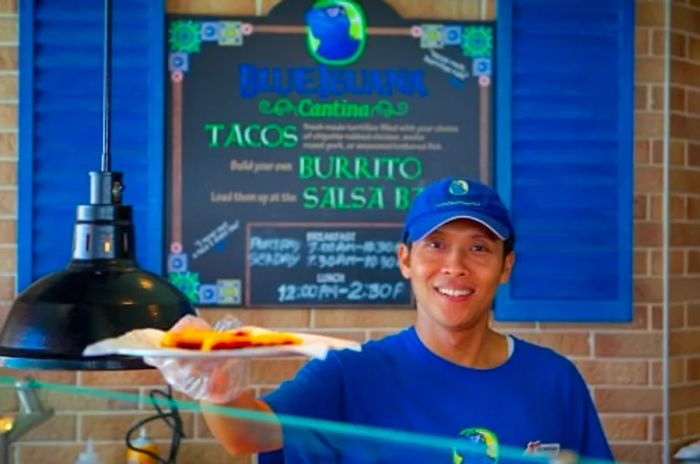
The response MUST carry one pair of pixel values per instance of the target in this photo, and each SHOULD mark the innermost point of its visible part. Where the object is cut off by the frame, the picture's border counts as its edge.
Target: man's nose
(456, 262)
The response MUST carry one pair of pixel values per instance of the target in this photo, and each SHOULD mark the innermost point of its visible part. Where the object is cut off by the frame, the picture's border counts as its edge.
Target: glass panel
(61, 417)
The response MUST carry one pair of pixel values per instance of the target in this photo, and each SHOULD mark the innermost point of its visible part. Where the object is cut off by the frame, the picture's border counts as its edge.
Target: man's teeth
(455, 292)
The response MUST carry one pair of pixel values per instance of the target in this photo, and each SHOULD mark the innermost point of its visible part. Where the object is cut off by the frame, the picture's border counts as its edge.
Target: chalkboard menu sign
(296, 142)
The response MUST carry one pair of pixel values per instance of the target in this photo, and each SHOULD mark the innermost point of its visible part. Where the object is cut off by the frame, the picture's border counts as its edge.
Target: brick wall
(684, 210)
(623, 363)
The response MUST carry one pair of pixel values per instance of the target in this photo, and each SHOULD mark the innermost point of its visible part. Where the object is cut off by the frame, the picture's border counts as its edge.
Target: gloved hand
(217, 380)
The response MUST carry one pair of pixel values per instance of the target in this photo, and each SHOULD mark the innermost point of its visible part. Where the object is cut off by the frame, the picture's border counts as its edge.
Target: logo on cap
(458, 187)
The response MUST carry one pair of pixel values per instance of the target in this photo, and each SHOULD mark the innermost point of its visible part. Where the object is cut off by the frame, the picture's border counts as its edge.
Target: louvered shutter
(564, 157)
(61, 123)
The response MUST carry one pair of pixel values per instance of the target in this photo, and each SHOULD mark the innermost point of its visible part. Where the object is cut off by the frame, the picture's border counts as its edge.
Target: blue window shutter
(564, 157)
(61, 123)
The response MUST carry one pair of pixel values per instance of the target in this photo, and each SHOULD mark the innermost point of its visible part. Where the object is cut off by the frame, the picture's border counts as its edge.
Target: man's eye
(480, 248)
(434, 244)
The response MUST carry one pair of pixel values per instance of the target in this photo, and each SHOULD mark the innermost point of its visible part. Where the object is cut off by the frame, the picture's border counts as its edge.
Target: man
(450, 375)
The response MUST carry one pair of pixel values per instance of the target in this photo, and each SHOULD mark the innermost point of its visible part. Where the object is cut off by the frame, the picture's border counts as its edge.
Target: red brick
(693, 155)
(271, 318)
(8, 144)
(693, 314)
(66, 452)
(684, 397)
(8, 259)
(685, 19)
(57, 427)
(649, 125)
(637, 452)
(59, 377)
(693, 211)
(208, 451)
(137, 378)
(398, 318)
(600, 372)
(656, 102)
(694, 48)
(8, 58)
(7, 288)
(682, 72)
(628, 399)
(658, 153)
(377, 334)
(676, 371)
(677, 207)
(683, 289)
(648, 234)
(679, 45)
(358, 336)
(641, 152)
(624, 428)
(70, 400)
(692, 369)
(490, 10)
(273, 371)
(641, 41)
(640, 207)
(676, 427)
(8, 115)
(684, 235)
(650, 14)
(694, 103)
(627, 345)
(8, 88)
(8, 29)
(570, 344)
(8, 202)
(8, 6)
(693, 423)
(647, 290)
(676, 317)
(112, 425)
(8, 173)
(8, 231)
(641, 262)
(678, 99)
(676, 262)
(648, 179)
(684, 342)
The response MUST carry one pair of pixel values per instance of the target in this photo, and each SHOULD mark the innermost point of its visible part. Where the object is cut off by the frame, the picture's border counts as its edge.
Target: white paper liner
(146, 343)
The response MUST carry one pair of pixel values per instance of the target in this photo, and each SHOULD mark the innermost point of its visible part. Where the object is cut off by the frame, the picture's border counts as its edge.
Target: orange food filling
(210, 340)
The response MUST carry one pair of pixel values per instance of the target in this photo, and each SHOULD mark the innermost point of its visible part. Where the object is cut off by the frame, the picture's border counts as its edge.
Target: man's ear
(508, 263)
(403, 255)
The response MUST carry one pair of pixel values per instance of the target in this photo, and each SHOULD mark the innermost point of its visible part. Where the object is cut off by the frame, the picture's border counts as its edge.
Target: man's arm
(244, 436)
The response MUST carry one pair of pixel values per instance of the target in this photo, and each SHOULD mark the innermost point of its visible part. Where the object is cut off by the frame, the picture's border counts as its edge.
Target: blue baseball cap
(453, 198)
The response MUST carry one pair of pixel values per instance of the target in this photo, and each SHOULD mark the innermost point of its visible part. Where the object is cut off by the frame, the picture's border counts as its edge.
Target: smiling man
(449, 375)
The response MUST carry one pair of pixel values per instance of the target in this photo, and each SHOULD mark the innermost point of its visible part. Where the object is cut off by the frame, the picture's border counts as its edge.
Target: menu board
(296, 142)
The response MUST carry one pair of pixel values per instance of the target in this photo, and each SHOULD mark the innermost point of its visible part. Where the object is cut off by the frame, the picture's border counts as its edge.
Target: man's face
(454, 274)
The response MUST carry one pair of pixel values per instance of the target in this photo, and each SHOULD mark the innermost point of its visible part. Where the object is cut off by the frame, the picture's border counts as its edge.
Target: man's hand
(211, 380)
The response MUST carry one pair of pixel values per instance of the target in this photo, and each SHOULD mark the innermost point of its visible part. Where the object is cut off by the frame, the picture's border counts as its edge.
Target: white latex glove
(211, 380)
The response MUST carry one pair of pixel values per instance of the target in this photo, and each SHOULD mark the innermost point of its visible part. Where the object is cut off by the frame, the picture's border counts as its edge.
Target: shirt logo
(482, 447)
(537, 448)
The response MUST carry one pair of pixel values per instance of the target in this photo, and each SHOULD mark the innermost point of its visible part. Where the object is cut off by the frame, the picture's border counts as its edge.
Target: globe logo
(482, 447)
(335, 31)
(459, 187)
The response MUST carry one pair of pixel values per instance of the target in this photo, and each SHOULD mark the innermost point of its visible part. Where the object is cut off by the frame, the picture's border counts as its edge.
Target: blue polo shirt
(534, 403)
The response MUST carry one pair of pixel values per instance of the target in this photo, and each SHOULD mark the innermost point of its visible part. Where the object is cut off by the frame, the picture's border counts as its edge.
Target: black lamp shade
(102, 293)
(54, 319)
